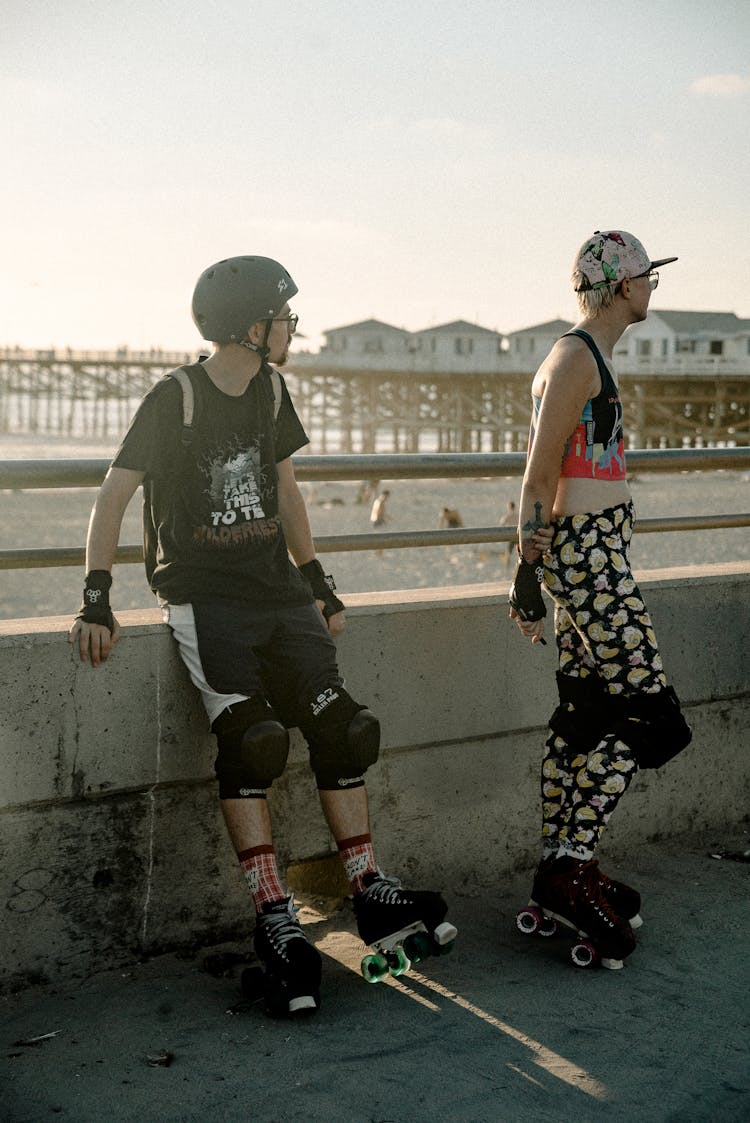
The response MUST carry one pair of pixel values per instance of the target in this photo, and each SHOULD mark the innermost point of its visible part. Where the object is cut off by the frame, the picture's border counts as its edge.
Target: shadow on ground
(502, 1029)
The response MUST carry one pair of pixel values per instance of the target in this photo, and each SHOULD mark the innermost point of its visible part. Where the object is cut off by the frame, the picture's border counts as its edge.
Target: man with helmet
(211, 444)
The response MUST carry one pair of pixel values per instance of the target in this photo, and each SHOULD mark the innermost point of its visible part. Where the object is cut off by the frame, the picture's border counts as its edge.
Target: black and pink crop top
(595, 448)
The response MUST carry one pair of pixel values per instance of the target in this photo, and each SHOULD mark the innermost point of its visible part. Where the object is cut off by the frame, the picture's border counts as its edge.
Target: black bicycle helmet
(235, 293)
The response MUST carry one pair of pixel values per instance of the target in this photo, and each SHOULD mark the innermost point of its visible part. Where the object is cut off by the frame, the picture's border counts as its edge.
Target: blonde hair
(592, 302)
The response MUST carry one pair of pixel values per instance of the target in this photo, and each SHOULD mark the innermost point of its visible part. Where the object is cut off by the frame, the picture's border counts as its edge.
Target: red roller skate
(571, 892)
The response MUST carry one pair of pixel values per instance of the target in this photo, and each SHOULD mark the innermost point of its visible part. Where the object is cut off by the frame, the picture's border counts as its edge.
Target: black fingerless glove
(95, 604)
(525, 593)
(322, 586)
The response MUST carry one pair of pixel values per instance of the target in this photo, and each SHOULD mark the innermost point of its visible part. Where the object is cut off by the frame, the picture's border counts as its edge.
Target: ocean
(59, 517)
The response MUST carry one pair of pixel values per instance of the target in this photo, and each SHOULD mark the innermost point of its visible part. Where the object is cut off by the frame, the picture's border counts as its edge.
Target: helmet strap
(252, 346)
(261, 349)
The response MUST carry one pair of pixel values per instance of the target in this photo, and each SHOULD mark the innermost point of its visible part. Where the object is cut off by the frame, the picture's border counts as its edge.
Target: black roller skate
(289, 981)
(572, 892)
(404, 926)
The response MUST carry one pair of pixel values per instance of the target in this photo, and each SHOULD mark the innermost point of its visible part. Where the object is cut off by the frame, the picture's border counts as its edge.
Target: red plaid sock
(359, 859)
(262, 875)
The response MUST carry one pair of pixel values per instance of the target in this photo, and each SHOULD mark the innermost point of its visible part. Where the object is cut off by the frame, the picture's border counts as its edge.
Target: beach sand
(59, 517)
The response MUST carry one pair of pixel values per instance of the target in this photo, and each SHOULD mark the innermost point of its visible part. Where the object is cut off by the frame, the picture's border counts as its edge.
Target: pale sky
(416, 162)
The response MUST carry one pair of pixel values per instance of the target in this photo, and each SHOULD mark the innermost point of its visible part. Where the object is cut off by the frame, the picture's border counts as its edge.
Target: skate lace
(281, 927)
(385, 890)
(604, 881)
(590, 876)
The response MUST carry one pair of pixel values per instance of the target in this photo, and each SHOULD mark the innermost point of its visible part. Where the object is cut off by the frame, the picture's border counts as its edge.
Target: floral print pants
(602, 628)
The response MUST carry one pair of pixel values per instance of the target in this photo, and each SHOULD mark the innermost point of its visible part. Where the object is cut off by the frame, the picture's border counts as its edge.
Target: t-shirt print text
(237, 515)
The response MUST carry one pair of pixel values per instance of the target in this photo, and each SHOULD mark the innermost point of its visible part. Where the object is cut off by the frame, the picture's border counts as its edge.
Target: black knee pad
(344, 740)
(253, 749)
(580, 717)
(652, 725)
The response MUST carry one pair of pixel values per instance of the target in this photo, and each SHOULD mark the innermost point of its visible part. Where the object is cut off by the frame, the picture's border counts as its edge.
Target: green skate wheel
(374, 968)
(419, 946)
(399, 962)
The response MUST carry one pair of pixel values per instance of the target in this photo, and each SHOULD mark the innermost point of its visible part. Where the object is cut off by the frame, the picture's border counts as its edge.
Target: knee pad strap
(253, 750)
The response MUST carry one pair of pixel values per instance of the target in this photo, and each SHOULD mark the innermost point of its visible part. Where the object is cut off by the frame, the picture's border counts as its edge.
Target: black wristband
(95, 604)
(323, 586)
(525, 593)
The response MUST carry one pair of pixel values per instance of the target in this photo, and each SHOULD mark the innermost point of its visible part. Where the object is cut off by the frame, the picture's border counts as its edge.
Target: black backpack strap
(180, 374)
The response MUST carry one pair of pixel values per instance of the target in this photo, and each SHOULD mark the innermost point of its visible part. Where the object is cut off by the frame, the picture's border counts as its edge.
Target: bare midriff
(575, 496)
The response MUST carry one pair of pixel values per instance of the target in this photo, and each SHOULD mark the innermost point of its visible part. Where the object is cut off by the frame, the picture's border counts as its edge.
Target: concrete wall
(111, 839)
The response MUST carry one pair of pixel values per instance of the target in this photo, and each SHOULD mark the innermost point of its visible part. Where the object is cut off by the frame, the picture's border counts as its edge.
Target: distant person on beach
(616, 713)
(378, 512)
(510, 518)
(211, 444)
(450, 519)
(379, 515)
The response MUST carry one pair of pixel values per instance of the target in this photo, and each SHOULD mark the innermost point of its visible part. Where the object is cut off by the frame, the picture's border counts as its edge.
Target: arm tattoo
(530, 527)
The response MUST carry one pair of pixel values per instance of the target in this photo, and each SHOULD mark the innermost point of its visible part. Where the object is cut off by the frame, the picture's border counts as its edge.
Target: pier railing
(682, 363)
(70, 473)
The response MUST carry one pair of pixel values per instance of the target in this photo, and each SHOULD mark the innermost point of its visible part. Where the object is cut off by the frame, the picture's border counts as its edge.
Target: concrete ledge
(111, 835)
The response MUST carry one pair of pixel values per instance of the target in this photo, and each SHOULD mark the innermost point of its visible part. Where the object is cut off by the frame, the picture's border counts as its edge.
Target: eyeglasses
(653, 279)
(292, 319)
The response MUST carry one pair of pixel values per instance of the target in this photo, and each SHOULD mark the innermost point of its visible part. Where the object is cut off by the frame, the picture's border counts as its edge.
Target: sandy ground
(500, 1031)
(60, 518)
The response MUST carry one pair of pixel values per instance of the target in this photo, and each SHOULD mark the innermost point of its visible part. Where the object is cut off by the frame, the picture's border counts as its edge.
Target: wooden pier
(94, 394)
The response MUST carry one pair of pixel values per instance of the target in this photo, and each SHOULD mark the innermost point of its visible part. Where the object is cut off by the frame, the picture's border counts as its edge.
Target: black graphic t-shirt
(211, 526)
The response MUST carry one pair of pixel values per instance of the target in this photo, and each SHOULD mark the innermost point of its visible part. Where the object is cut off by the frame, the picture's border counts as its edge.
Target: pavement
(502, 1029)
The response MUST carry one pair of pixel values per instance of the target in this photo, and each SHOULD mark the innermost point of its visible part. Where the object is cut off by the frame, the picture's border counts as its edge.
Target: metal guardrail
(40, 474)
